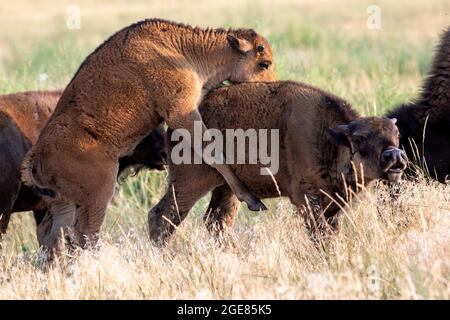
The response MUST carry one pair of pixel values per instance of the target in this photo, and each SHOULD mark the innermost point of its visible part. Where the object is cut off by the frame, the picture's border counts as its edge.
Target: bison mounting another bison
(22, 117)
(147, 73)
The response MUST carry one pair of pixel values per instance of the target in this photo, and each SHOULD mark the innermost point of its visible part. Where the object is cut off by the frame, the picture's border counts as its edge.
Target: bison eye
(264, 65)
(260, 48)
(358, 141)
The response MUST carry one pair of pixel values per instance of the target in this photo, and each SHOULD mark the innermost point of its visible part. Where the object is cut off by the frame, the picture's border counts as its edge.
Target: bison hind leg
(6, 205)
(55, 227)
(9, 191)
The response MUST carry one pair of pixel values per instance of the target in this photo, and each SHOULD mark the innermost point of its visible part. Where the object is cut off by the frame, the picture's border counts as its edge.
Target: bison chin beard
(394, 175)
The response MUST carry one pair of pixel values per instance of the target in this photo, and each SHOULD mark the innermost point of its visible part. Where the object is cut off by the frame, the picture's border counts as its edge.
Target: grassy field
(386, 249)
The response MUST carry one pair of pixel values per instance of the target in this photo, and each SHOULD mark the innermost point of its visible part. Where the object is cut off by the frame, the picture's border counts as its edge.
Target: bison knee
(55, 226)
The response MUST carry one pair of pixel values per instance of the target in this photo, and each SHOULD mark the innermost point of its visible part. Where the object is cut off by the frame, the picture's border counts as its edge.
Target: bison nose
(393, 159)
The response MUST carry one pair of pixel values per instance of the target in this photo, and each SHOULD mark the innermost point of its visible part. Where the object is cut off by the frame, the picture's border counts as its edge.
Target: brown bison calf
(323, 142)
(425, 123)
(22, 117)
(146, 73)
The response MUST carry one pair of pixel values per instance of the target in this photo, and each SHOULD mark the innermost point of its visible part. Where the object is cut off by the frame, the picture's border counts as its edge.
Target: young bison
(22, 117)
(151, 71)
(429, 116)
(322, 142)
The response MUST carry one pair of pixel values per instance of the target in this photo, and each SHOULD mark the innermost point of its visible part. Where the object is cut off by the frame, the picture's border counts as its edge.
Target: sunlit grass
(386, 248)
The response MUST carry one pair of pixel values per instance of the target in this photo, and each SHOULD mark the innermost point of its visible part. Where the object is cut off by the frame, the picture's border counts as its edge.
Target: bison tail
(29, 172)
(28, 169)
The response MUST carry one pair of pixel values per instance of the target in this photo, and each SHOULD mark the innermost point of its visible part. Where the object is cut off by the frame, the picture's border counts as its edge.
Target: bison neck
(345, 174)
(211, 57)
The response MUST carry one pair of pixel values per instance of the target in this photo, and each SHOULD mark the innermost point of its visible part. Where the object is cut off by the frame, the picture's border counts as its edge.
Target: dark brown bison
(323, 146)
(22, 117)
(424, 124)
(147, 73)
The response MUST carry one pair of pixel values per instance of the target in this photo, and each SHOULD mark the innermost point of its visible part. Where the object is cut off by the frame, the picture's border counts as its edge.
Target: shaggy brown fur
(320, 137)
(430, 113)
(22, 117)
(151, 71)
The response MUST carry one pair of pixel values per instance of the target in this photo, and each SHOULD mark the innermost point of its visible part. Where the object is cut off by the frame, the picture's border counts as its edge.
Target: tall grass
(386, 249)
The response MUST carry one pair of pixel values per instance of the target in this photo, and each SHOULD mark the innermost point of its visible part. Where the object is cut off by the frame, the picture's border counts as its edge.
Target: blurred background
(325, 43)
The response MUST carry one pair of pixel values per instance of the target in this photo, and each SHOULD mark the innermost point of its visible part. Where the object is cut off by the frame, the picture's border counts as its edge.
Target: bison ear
(240, 45)
(339, 135)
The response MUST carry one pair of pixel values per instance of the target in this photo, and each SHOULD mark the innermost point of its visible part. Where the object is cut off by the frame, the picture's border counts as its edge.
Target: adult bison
(22, 117)
(324, 147)
(147, 73)
(424, 124)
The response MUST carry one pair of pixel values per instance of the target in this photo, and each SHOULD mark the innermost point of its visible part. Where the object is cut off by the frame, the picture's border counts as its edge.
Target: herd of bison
(61, 152)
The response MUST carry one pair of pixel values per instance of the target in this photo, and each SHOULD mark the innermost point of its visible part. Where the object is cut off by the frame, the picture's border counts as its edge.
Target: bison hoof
(256, 205)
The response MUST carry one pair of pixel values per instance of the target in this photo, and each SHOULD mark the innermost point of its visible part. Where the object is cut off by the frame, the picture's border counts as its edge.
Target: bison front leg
(180, 197)
(168, 214)
(319, 224)
(313, 217)
(55, 227)
(91, 213)
(7, 198)
(222, 211)
(4, 221)
(331, 214)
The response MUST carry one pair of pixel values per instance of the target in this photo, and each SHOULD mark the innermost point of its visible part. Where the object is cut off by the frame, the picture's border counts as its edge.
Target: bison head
(373, 144)
(150, 153)
(253, 57)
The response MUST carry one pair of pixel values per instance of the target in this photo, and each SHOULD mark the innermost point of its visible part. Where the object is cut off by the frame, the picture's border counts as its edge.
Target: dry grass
(386, 249)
